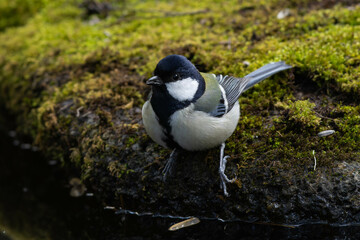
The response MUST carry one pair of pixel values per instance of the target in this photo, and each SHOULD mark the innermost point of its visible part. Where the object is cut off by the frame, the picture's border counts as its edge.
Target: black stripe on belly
(164, 106)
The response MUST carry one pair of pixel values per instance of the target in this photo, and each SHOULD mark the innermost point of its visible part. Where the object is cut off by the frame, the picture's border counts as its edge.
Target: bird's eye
(176, 76)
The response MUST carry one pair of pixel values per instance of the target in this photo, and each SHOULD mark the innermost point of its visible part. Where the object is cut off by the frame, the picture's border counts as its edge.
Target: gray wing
(231, 88)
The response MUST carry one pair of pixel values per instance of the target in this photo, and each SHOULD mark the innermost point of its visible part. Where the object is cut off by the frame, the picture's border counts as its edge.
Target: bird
(188, 110)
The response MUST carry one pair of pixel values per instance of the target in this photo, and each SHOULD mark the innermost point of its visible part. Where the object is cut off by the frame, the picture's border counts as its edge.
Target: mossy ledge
(75, 83)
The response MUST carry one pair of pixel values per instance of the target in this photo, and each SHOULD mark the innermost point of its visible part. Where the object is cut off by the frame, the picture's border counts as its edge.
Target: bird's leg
(223, 178)
(170, 163)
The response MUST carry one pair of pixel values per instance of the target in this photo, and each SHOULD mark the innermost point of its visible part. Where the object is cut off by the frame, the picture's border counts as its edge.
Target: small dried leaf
(187, 223)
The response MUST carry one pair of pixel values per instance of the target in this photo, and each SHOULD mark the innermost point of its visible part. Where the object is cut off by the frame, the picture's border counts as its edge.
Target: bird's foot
(223, 178)
(168, 169)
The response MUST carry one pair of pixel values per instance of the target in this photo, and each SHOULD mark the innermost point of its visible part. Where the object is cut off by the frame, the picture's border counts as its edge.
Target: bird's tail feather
(265, 72)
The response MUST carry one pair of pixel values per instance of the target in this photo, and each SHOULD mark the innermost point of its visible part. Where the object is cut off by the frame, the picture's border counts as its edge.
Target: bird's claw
(168, 169)
(223, 178)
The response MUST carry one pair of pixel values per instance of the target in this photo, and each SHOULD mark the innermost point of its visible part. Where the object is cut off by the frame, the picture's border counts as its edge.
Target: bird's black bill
(155, 80)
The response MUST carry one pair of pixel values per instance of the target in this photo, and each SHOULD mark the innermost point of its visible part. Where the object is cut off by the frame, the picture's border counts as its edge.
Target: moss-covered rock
(75, 82)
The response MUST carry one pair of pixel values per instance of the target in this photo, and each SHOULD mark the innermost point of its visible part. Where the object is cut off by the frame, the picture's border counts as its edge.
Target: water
(35, 204)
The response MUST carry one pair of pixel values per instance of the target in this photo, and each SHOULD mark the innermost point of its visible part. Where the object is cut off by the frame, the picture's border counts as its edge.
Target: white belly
(152, 126)
(196, 130)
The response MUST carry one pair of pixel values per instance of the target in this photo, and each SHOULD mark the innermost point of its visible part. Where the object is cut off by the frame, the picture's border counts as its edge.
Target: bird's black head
(174, 68)
(176, 84)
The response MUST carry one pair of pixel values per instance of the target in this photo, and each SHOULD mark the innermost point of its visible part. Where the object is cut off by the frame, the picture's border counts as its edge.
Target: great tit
(193, 111)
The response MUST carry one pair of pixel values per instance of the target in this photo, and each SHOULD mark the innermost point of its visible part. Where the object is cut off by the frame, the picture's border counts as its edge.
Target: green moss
(17, 12)
(301, 112)
(131, 141)
(76, 157)
(118, 170)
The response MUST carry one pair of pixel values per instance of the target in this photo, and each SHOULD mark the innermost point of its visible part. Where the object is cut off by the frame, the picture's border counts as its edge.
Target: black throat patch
(164, 105)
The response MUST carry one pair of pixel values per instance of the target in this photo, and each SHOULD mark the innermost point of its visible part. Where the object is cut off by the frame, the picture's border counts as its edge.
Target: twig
(174, 14)
(78, 111)
(323, 116)
(86, 114)
(313, 152)
(66, 106)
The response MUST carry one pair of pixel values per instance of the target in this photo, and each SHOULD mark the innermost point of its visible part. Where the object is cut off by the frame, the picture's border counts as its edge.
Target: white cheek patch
(183, 90)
